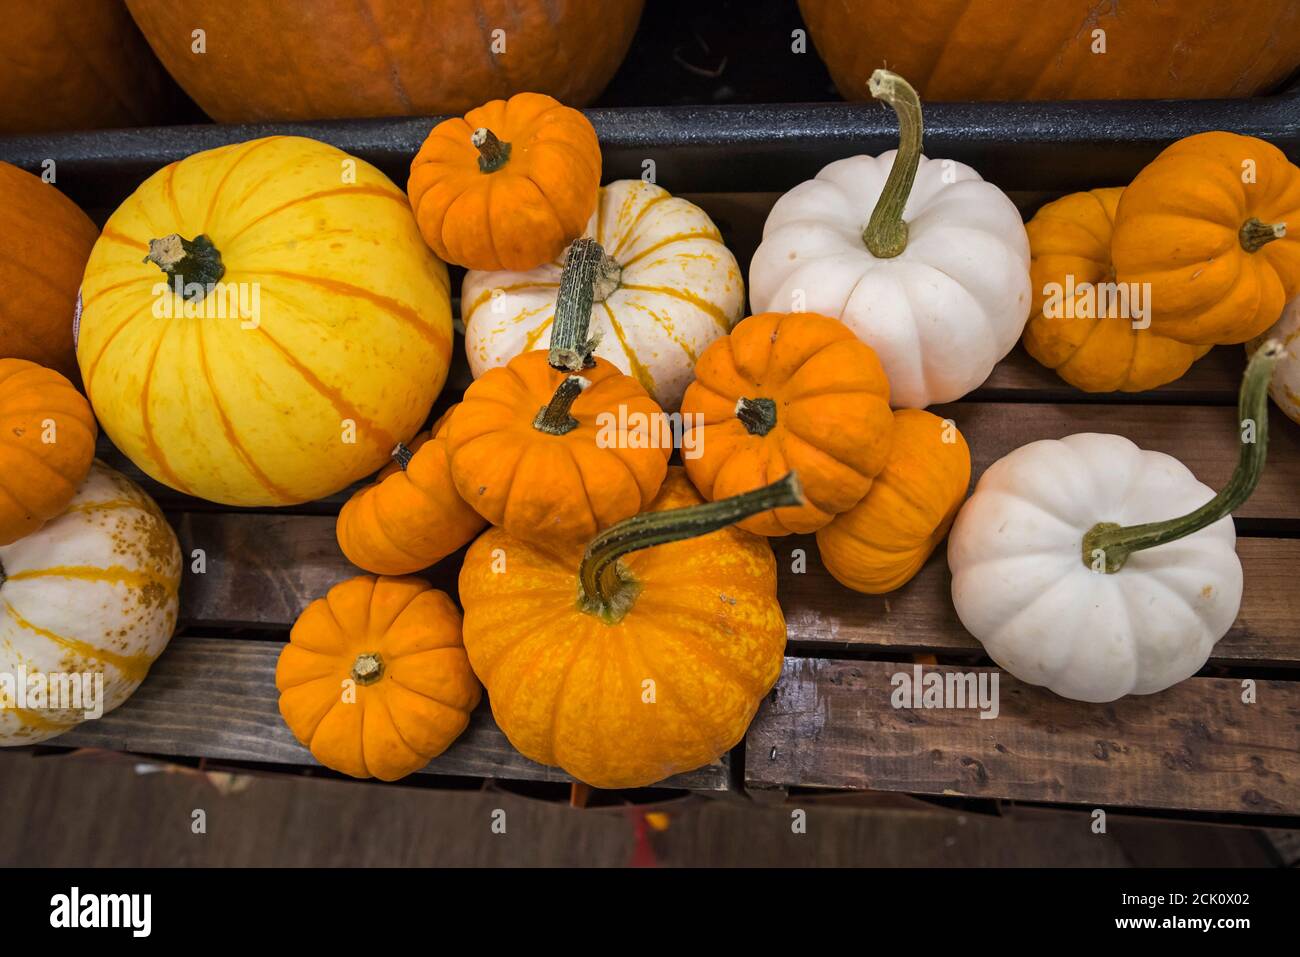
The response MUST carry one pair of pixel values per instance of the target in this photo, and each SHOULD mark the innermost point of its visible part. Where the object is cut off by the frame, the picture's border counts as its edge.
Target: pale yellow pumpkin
(322, 345)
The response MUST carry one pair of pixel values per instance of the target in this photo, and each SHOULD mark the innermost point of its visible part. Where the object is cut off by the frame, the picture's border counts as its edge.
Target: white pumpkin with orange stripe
(311, 335)
(93, 592)
(671, 288)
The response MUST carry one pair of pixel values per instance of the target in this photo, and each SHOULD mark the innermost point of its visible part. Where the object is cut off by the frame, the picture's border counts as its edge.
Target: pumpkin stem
(1107, 545)
(402, 455)
(1255, 234)
(758, 416)
(605, 589)
(368, 668)
(492, 152)
(554, 418)
(886, 232)
(194, 265)
(584, 267)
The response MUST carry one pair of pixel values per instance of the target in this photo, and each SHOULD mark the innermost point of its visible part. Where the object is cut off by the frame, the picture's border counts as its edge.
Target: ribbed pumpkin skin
(340, 58)
(411, 518)
(45, 241)
(77, 65)
(422, 699)
(883, 541)
(571, 691)
(38, 477)
(522, 214)
(355, 326)
(1071, 237)
(95, 590)
(833, 423)
(1177, 227)
(1030, 50)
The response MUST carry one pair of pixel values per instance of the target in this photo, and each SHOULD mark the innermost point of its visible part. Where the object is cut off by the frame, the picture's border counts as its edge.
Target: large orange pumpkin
(1036, 50)
(45, 241)
(316, 59)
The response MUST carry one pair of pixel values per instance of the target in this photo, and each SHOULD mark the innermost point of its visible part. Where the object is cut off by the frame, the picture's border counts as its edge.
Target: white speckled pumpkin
(669, 289)
(93, 591)
(1285, 388)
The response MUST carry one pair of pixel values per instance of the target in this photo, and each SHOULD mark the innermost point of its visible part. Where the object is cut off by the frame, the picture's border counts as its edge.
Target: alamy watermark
(64, 691)
(975, 690)
(659, 430)
(214, 300)
(1098, 300)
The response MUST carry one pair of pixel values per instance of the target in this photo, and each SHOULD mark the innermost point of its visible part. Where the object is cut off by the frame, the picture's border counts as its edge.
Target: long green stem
(886, 232)
(606, 590)
(584, 266)
(196, 263)
(1107, 545)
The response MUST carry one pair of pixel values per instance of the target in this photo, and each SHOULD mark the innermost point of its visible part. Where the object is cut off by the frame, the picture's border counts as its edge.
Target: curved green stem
(758, 416)
(886, 232)
(1107, 545)
(1254, 234)
(605, 589)
(492, 152)
(195, 264)
(586, 266)
(554, 418)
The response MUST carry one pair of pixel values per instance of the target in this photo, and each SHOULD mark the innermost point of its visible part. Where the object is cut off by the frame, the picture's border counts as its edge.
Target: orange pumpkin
(659, 665)
(788, 391)
(47, 442)
(1069, 246)
(45, 241)
(883, 541)
(508, 186)
(411, 516)
(556, 445)
(374, 679)
(1205, 223)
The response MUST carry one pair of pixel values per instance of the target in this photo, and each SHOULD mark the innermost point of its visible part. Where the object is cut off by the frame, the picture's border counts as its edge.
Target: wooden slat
(216, 698)
(1196, 746)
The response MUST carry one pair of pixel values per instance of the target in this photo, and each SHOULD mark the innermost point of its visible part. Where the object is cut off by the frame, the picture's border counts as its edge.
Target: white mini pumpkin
(93, 591)
(1286, 377)
(942, 310)
(672, 288)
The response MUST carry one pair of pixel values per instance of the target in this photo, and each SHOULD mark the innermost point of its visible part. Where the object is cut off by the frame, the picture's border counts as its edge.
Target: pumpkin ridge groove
(713, 236)
(356, 189)
(134, 667)
(221, 183)
(146, 425)
(630, 229)
(707, 308)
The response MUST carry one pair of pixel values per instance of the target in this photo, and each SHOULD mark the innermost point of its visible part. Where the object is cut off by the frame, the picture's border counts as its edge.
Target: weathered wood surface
(1196, 746)
(216, 698)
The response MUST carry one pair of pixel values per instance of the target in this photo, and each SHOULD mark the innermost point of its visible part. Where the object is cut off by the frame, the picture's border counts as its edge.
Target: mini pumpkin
(374, 679)
(1285, 387)
(47, 442)
(660, 664)
(1205, 224)
(1076, 325)
(509, 185)
(782, 392)
(880, 543)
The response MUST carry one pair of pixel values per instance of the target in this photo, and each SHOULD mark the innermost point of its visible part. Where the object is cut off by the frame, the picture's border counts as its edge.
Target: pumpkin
(659, 665)
(788, 392)
(1285, 387)
(45, 241)
(1078, 324)
(338, 58)
(1028, 50)
(374, 679)
(508, 186)
(1204, 224)
(72, 65)
(880, 543)
(558, 444)
(411, 516)
(937, 282)
(1099, 569)
(47, 442)
(668, 288)
(92, 593)
(311, 334)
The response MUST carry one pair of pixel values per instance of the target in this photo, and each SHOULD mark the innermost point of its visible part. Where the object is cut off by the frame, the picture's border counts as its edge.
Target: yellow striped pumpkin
(92, 592)
(313, 336)
(670, 288)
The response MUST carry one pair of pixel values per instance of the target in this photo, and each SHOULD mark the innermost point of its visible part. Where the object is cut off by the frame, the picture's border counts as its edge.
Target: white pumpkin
(675, 288)
(1095, 613)
(92, 592)
(941, 311)
(1286, 377)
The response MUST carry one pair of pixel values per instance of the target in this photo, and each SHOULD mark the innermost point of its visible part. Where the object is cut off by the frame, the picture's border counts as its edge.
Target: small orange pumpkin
(507, 186)
(1205, 223)
(411, 516)
(884, 540)
(783, 392)
(47, 442)
(1069, 247)
(374, 679)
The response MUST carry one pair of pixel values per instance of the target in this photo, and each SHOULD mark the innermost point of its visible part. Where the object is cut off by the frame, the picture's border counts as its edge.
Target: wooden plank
(216, 698)
(1196, 746)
